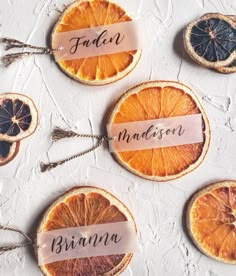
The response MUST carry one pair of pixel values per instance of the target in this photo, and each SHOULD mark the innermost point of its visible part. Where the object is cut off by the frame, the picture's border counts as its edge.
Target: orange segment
(155, 100)
(103, 69)
(96, 205)
(88, 68)
(211, 221)
(76, 205)
(60, 218)
(85, 206)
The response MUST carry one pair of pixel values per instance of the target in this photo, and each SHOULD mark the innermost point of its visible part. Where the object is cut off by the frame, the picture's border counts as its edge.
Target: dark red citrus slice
(79, 207)
(211, 40)
(18, 117)
(8, 151)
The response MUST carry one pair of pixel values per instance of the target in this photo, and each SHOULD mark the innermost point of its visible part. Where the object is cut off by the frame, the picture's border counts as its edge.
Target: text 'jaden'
(102, 39)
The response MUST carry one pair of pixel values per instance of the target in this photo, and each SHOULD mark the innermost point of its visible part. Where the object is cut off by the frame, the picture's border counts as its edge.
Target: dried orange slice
(86, 206)
(211, 221)
(211, 40)
(98, 70)
(18, 117)
(8, 151)
(155, 100)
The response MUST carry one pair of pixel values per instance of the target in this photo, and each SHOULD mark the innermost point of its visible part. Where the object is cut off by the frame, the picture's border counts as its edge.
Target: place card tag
(97, 41)
(159, 133)
(86, 241)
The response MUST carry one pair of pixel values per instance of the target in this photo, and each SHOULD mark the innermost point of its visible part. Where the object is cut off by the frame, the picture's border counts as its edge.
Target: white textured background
(158, 207)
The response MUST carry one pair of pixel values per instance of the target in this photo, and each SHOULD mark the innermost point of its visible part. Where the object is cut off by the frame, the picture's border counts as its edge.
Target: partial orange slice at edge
(211, 221)
(82, 206)
(155, 100)
(103, 69)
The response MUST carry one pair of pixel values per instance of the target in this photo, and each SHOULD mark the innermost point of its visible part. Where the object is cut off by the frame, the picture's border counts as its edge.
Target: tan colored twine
(13, 43)
(7, 248)
(59, 133)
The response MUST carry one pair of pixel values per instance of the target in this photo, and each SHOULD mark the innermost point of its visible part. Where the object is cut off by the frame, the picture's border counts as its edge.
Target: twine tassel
(59, 134)
(10, 58)
(13, 43)
(48, 167)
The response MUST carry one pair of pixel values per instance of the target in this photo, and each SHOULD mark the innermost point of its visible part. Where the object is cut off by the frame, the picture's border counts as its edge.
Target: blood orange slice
(155, 100)
(8, 151)
(102, 69)
(18, 117)
(211, 40)
(79, 207)
(211, 221)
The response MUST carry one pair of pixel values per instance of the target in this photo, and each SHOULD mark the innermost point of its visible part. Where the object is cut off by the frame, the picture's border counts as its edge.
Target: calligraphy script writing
(61, 244)
(102, 39)
(151, 132)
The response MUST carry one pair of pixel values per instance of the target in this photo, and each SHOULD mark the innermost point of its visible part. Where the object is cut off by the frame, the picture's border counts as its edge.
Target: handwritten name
(62, 244)
(102, 39)
(151, 132)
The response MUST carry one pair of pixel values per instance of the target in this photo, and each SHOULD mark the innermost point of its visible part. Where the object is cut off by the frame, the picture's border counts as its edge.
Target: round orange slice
(98, 70)
(79, 207)
(155, 100)
(18, 117)
(8, 151)
(211, 221)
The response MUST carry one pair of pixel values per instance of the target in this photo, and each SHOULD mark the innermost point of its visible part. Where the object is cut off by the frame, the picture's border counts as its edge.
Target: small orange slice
(99, 70)
(211, 221)
(155, 100)
(79, 207)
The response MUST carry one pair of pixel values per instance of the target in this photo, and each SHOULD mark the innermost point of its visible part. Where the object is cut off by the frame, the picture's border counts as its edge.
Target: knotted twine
(7, 248)
(59, 133)
(11, 43)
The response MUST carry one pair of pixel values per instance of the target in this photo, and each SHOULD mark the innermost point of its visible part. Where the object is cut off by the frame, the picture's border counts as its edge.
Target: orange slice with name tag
(160, 100)
(83, 206)
(98, 70)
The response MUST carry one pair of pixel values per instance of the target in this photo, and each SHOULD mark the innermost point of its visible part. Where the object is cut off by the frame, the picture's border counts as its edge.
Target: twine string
(59, 133)
(7, 248)
(11, 43)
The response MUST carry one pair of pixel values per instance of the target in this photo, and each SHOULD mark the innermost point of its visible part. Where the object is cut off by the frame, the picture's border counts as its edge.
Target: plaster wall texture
(25, 192)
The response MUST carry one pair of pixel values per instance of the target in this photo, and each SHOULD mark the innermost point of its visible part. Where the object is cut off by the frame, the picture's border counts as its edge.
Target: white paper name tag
(158, 133)
(97, 41)
(86, 241)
